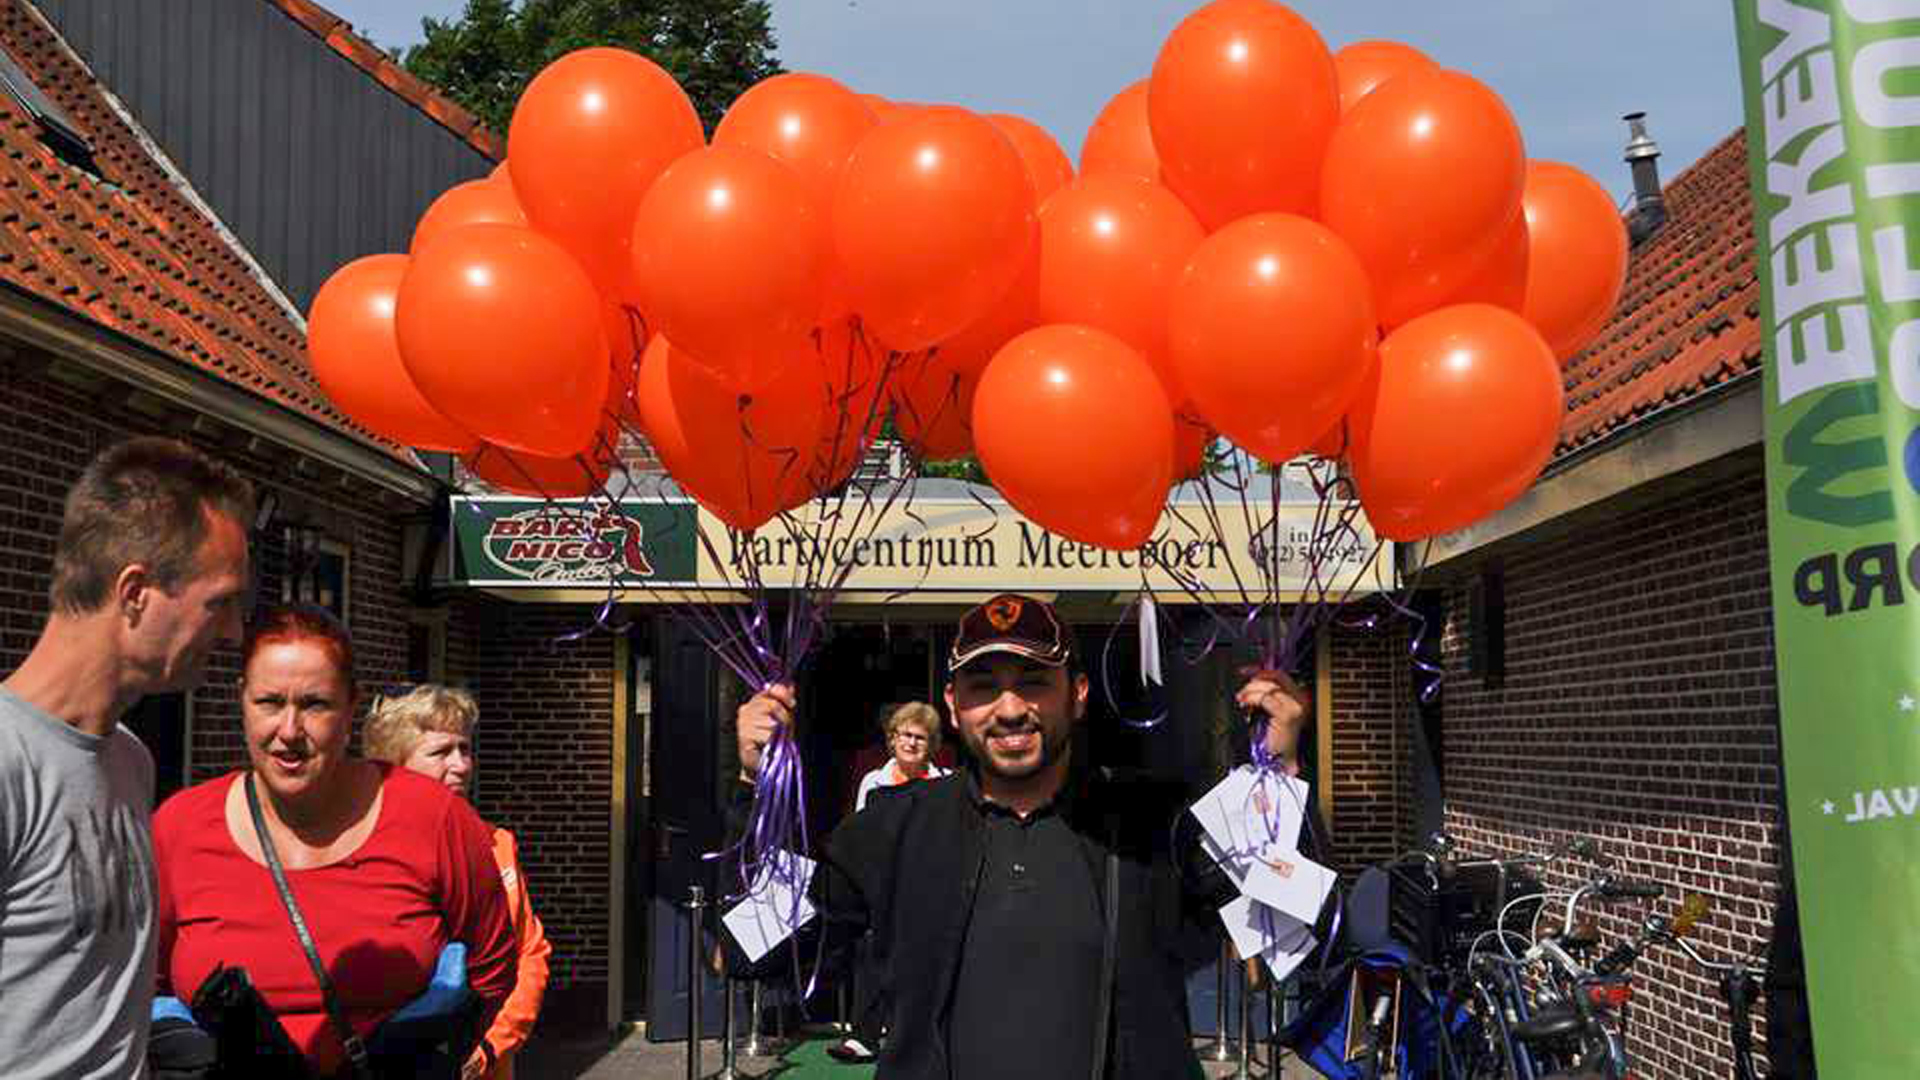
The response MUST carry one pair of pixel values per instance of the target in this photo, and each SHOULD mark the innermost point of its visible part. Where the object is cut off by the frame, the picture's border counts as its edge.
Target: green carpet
(809, 1061)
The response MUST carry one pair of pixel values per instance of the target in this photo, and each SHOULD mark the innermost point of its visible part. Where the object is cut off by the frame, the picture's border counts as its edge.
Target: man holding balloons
(1030, 893)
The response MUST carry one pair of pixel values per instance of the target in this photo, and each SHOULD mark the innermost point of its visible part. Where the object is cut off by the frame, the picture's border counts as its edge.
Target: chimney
(1649, 208)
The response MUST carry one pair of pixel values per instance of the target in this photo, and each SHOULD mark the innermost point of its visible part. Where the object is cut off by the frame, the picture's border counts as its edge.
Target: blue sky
(1567, 68)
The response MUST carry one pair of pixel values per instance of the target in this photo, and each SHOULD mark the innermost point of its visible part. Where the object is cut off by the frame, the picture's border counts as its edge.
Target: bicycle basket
(1439, 925)
(1322, 1036)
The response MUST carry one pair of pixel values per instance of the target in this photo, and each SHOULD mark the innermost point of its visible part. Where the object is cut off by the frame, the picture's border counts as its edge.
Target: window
(318, 570)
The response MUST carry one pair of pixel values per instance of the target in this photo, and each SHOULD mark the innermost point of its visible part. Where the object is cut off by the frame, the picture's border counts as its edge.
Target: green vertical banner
(1833, 136)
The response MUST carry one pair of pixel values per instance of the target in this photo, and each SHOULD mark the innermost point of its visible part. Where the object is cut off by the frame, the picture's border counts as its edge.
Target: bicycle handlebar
(1629, 889)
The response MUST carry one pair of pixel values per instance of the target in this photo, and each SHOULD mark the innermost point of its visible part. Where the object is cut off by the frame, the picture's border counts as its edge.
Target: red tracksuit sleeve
(475, 905)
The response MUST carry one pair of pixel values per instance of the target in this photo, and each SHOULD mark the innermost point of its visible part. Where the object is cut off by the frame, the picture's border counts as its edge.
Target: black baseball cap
(1013, 625)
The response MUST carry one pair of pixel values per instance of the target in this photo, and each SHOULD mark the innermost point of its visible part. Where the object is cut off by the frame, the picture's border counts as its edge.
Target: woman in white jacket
(913, 738)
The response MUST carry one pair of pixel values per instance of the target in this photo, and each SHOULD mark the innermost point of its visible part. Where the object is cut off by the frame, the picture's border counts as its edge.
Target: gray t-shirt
(76, 898)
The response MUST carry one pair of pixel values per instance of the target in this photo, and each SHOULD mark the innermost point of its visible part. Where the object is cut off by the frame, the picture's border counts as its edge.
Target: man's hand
(476, 1065)
(1275, 694)
(755, 723)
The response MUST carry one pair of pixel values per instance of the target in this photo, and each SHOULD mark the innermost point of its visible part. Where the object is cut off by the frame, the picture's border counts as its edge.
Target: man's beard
(1054, 745)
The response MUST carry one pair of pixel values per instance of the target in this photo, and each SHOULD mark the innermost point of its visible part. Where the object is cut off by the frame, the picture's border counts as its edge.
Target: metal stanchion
(1276, 996)
(696, 978)
(1222, 1048)
(1246, 1024)
(754, 1047)
(726, 1031)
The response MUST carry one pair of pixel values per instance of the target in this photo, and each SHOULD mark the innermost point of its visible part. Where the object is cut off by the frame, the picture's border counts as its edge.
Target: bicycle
(1425, 1008)
(1738, 982)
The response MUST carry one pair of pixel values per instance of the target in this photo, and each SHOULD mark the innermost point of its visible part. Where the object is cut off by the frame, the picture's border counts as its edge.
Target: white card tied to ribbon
(1257, 930)
(1150, 673)
(768, 915)
(1288, 882)
(1250, 810)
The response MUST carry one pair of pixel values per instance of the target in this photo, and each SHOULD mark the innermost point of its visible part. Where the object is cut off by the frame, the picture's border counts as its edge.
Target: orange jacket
(515, 1021)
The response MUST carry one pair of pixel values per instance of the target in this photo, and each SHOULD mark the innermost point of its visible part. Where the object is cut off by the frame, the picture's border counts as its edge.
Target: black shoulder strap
(356, 1049)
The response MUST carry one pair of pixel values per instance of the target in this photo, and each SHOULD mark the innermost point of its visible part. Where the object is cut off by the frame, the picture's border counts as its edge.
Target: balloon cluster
(1305, 252)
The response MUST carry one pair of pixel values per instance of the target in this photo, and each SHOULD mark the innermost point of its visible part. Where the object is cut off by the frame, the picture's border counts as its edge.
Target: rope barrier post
(1246, 1025)
(754, 1048)
(1222, 1048)
(696, 903)
(1276, 1000)
(726, 1030)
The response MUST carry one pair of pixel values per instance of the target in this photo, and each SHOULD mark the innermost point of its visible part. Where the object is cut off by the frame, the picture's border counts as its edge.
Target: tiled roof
(340, 37)
(1689, 320)
(127, 249)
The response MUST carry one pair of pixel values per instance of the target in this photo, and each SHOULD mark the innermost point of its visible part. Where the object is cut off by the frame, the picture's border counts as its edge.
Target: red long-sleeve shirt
(379, 917)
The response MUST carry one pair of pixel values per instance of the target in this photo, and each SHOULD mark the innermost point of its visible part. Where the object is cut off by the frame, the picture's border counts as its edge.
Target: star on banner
(1827, 807)
(1906, 703)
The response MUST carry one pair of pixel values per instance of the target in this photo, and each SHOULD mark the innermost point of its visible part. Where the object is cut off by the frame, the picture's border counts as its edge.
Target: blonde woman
(429, 730)
(913, 738)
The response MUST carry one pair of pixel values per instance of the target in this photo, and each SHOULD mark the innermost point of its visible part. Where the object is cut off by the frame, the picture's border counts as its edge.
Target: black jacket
(908, 867)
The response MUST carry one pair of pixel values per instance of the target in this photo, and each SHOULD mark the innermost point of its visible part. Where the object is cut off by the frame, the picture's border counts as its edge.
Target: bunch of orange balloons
(1298, 250)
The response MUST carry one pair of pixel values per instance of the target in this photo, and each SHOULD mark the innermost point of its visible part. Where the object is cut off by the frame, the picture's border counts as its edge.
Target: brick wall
(1371, 711)
(1637, 708)
(545, 747)
(50, 429)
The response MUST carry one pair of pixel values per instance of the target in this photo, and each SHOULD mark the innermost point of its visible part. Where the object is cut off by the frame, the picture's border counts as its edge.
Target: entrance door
(859, 675)
(685, 823)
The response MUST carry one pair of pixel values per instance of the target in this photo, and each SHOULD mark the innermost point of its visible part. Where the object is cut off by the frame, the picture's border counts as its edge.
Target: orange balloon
(626, 334)
(730, 256)
(1463, 414)
(1112, 248)
(1016, 313)
(746, 458)
(1423, 179)
(1121, 140)
(1364, 65)
(1242, 101)
(1502, 279)
(355, 357)
(591, 133)
(1047, 165)
(470, 203)
(1273, 332)
(502, 332)
(1332, 444)
(1074, 429)
(500, 172)
(1191, 438)
(932, 223)
(933, 407)
(810, 122)
(1578, 261)
(572, 476)
(881, 106)
(856, 383)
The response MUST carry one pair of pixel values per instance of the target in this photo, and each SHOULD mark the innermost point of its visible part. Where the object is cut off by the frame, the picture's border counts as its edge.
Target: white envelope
(1288, 882)
(1257, 930)
(768, 915)
(1248, 810)
(1288, 950)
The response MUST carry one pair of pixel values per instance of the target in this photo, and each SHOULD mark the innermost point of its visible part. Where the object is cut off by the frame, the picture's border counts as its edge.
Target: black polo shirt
(1029, 981)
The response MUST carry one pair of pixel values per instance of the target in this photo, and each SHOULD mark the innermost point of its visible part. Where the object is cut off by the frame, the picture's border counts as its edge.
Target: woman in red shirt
(387, 867)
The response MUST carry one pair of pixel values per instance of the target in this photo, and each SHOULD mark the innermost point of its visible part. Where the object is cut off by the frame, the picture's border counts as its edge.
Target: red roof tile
(127, 249)
(1689, 319)
(340, 37)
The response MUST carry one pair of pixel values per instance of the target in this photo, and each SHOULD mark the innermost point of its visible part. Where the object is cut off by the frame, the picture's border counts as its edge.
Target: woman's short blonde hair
(396, 723)
(921, 715)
